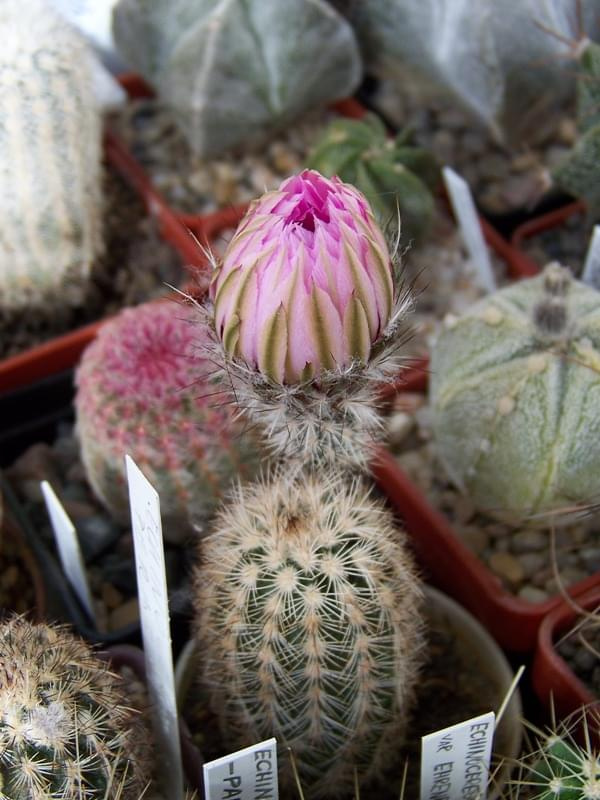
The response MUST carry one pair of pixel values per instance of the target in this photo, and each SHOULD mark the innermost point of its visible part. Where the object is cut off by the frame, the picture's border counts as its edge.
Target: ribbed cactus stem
(66, 729)
(50, 159)
(309, 626)
(522, 366)
(143, 389)
(563, 766)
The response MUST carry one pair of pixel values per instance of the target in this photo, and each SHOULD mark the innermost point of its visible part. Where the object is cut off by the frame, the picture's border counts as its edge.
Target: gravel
(520, 556)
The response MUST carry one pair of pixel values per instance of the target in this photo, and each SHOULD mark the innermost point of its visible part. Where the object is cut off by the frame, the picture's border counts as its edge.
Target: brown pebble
(474, 537)
(126, 614)
(112, 597)
(507, 567)
(9, 577)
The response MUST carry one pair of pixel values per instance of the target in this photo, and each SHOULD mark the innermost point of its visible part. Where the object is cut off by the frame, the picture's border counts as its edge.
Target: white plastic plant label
(468, 221)
(92, 17)
(69, 551)
(154, 617)
(248, 774)
(591, 267)
(455, 761)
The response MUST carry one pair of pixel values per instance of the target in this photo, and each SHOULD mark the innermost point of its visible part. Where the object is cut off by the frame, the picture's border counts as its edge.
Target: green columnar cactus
(236, 71)
(515, 386)
(579, 173)
(142, 390)
(66, 730)
(309, 625)
(391, 174)
(50, 159)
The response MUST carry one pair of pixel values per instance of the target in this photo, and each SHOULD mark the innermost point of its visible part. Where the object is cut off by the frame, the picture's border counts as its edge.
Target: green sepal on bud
(392, 174)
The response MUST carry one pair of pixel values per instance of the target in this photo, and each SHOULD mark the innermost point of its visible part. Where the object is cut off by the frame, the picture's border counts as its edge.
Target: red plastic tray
(453, 568)
(554, 681)
(543, 223)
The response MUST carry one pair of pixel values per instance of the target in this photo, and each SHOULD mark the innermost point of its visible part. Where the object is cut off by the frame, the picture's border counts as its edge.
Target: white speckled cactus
(50, 158)
(515, 390)
(309, 625)
(66, 729)
(235, 71)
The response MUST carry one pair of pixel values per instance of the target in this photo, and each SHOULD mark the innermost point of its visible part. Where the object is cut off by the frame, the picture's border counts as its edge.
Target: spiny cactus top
(515, 390)
(66, 730)
(235, 71)
(305, 308)
(50, 158)
(143, 390)
(309, 624)
(563, 767)
(393, 176)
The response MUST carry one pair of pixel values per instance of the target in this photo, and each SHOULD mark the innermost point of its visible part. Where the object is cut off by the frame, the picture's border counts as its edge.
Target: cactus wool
(515, 391)
(309, 624)
(66, 731)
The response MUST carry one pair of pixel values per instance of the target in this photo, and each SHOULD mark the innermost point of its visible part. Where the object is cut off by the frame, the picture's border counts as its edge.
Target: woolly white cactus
(50, 158)
(309, 625)
(235, 71)
(514, 390)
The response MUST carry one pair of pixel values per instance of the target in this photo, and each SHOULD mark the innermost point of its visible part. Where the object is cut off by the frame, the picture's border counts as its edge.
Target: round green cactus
(515, 391)
(309, 624)
(561, 767)
(66, 729)
(393, 175)
(143, 389)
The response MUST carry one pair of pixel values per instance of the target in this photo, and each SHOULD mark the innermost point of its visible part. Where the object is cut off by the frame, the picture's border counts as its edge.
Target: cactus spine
(142, 390)
(66, 731)
(50, 159)
(309, 627)
(561, 767)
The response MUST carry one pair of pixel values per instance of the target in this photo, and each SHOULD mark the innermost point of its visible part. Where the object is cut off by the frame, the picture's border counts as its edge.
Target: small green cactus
(309, 626)
(561, 767)
(50, 159)
(66, 730)
(392, 175)
(515, 386)
(579, 173)
(236, 71)
(143, 390)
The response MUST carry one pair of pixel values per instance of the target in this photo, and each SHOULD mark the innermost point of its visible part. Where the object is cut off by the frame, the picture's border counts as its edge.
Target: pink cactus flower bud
(306, 282)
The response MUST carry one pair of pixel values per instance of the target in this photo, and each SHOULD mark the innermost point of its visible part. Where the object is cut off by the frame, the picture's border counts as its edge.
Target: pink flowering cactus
(306, 282)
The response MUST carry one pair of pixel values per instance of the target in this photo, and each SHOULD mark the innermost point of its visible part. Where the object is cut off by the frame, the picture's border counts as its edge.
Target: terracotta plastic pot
(555, 683)
(455, 569)
(485, 656)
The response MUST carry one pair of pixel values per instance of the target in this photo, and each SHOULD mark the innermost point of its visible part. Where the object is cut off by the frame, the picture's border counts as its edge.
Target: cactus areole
(515, 389)
(306, 282)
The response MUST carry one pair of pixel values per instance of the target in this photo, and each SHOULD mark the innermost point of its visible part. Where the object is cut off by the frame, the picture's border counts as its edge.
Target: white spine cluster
(309, 625)
(50, 158)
